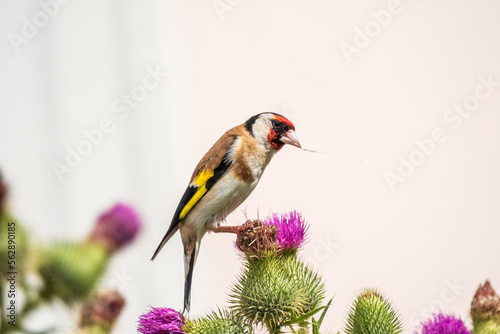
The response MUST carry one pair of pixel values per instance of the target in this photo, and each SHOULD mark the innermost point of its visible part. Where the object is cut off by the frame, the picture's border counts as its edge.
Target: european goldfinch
(223, 179)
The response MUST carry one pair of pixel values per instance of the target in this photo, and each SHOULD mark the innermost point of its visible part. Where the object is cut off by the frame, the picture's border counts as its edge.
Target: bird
(223, 179)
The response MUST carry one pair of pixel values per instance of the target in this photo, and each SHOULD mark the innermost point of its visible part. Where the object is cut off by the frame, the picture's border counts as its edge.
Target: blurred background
(401, 97)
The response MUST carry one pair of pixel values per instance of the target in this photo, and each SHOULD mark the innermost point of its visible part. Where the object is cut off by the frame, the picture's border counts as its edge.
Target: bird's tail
(190, 255)
(171, 231)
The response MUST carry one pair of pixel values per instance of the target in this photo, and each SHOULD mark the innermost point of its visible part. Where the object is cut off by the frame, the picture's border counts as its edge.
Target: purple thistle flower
(291, 229)
(160, 320)
(117, 227)
(444, 324)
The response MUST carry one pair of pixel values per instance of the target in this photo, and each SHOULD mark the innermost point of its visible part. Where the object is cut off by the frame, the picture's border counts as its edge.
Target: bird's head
(272, 128)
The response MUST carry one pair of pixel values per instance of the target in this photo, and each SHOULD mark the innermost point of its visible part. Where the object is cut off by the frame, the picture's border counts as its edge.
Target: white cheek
(261, 131)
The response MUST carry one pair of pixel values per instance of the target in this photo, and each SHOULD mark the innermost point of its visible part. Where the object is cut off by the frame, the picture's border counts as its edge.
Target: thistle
(485, 310)
(275, 286)
(280, 232)
(371, 313)
(161, 321)
(443, 324)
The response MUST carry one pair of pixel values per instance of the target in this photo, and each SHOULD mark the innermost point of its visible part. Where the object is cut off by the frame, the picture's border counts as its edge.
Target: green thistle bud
(371, 313)
(71, 270)
(485, 310)
(275, 289)
(216, 323)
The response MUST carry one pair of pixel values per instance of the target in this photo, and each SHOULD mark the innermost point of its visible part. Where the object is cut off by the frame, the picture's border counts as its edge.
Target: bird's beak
(290, 138)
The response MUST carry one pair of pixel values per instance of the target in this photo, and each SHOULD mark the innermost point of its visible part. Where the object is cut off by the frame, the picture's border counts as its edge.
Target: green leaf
(303, 317)
(324, 312)
(315, 326)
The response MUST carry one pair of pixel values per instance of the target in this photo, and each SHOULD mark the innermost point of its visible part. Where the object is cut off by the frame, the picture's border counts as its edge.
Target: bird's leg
(227, 229)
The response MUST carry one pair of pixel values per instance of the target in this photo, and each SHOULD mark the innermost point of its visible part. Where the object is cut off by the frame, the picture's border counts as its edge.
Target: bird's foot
(227, 229)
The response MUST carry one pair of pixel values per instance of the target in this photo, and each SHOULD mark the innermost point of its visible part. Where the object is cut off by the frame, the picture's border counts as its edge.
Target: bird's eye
(276, 124)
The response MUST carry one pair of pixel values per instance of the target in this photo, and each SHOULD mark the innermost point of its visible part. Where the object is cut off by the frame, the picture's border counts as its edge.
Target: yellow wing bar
(200, 182)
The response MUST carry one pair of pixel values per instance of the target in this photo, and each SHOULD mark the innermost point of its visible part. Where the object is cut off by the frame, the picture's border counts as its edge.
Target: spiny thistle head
(102, 310)
(443, 324)
(272, 290)
(291, 229)
(216, 323)
(117, 227)
(160, 320)
(70, 270)
(256, 239)
(372, 313)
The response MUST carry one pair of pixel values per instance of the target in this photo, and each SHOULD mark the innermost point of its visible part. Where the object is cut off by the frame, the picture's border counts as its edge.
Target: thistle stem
(303, 328)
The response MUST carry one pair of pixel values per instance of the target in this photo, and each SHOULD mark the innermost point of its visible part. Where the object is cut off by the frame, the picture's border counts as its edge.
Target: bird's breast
(250, 161)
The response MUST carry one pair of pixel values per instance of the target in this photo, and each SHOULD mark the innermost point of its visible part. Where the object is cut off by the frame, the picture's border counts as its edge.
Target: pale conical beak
(290, 138)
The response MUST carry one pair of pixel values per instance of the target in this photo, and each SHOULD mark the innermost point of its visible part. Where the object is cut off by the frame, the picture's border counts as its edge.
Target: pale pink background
(441, 225)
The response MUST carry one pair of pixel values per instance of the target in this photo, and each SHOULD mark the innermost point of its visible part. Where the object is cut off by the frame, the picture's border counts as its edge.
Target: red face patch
(272, 138)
